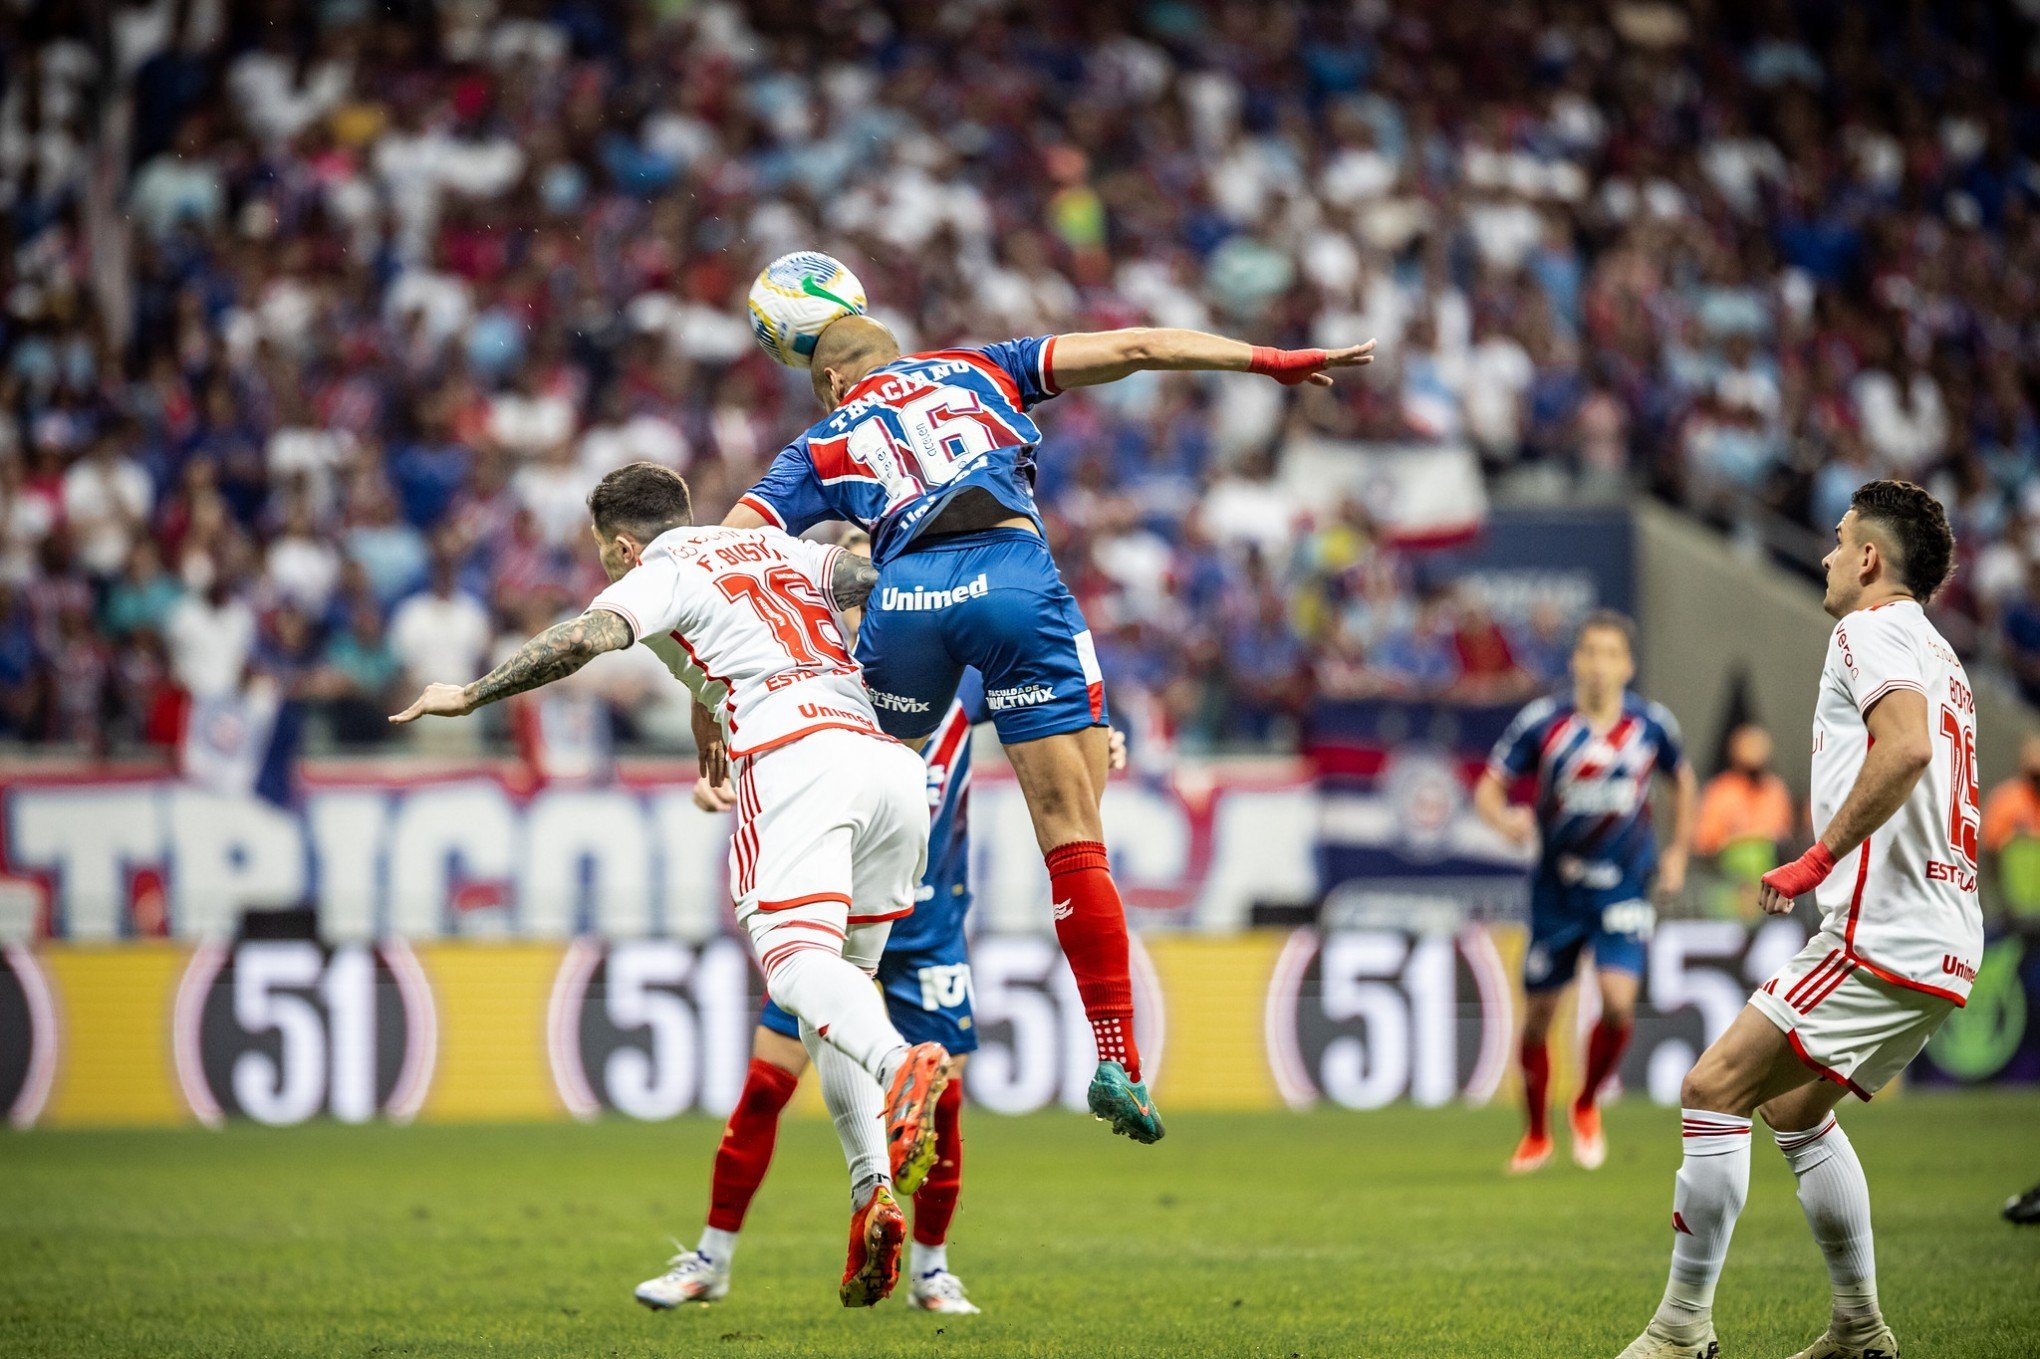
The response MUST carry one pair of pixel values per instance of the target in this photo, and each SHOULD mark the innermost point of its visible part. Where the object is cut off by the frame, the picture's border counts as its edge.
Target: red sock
(1536, 1081)
(1605, 1047)
(747, 1141)
(935, 1200)
(1090, 924)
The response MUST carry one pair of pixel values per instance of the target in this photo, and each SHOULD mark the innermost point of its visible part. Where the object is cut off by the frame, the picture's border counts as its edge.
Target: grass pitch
(1329, 1234)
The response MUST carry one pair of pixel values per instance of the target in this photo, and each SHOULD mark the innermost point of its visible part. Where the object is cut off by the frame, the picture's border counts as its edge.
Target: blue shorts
(1615, 921)
(992, 600)
(927, 993)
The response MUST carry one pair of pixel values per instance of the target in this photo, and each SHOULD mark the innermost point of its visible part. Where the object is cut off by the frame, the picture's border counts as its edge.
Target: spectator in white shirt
(529, 422)
(442, 632)
(107, 498)
(555, 491)
(301, 566)
(1903, 418)
(211, 635)
(1498, 377)
(25, 520)
(178, 187)
(621, 438)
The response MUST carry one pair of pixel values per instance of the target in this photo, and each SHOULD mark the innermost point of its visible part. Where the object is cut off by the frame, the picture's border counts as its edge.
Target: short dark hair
(1915, 530)
(642, 499)
(1608, 620)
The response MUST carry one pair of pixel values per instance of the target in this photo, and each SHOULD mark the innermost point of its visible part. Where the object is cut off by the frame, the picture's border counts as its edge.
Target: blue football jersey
(944, 898)
(1593, 789)
(909, 438)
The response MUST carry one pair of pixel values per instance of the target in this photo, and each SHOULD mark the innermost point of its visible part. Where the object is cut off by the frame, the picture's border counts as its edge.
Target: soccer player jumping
(1894, 875)
(933, 454)
(1593, 758)
(925, 978)
(832, 818)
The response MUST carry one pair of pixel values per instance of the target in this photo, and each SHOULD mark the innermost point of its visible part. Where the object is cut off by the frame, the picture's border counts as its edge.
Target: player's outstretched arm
(554, 654)
(1901, 748)
(1089, 358)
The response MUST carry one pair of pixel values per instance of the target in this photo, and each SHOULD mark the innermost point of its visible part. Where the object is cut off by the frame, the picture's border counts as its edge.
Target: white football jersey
(1905, 902)
(746, 618)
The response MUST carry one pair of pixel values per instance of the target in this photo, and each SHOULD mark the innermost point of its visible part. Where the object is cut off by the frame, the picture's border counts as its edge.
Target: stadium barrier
(482, 850)
(160, 1032)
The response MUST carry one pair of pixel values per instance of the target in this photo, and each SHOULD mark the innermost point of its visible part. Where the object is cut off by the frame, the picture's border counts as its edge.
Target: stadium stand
(306, 372)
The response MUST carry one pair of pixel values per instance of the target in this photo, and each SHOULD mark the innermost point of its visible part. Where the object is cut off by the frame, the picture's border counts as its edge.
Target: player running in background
(1894, 874)
(832, 822)
(933, 454)
(1593, 757)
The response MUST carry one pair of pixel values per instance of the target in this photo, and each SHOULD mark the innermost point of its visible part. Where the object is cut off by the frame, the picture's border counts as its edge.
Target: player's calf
(916, 1085)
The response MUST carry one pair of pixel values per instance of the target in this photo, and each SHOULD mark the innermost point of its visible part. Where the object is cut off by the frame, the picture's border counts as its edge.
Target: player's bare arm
(1089, 358)
(1513, 822)
(1678, 850)
(1900, 751)
(554, 654)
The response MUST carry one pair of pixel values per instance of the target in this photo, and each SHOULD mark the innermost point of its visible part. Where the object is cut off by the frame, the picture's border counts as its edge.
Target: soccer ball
(795, 298)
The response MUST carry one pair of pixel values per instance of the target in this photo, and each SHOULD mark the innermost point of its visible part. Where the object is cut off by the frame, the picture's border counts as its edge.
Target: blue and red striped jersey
(909, 438)
(945, 896)
(1593, 788)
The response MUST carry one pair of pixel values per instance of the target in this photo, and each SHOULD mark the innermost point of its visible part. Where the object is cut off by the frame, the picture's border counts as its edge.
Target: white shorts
(832, 833)
(1853, 1028)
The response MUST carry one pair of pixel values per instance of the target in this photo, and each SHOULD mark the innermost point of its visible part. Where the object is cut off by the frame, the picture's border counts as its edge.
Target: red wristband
(1803, 874)
(1286, 366)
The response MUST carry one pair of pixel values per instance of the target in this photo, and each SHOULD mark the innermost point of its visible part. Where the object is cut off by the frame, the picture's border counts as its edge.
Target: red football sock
(1605, 1047)
(1536, 1082)
(1090, 924)
(935, 1200)
(747, 1141)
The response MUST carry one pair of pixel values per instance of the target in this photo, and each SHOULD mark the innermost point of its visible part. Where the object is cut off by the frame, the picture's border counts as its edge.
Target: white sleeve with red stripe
(1046, 375)
(648, 597)
(1878, 654)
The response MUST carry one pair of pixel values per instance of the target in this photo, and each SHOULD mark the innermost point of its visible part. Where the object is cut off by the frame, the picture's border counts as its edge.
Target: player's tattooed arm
(852, 580)
(552, 655)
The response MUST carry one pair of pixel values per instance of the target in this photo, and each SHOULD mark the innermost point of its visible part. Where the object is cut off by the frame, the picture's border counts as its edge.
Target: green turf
(1331, 1234)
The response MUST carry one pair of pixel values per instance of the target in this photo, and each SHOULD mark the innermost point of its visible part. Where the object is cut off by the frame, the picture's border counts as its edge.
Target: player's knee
(1696, 1091)
(1539, 1009)
(1713, 1085)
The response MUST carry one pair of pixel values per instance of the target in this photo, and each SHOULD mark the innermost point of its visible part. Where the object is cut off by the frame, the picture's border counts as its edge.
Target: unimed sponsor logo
(1025, 696)
(919, 600)
(815, 712)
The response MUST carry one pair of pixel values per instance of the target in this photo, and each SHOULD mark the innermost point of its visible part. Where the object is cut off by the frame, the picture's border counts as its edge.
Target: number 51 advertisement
(280, 1031)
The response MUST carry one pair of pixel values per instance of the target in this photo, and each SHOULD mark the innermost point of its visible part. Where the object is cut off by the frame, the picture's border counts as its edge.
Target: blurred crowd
(320, 318)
